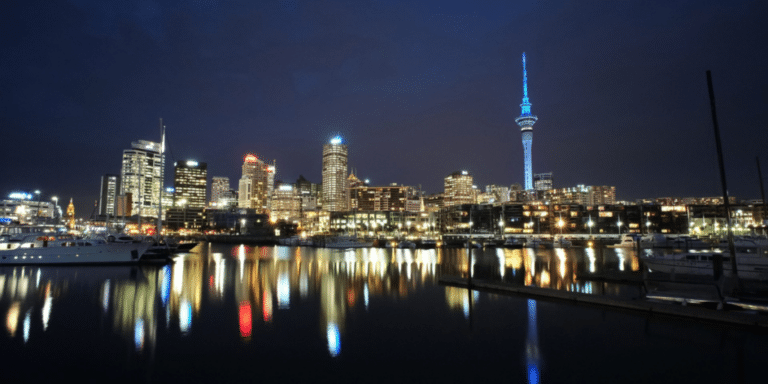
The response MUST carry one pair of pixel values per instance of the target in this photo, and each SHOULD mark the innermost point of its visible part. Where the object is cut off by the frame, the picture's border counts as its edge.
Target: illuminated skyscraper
(110, 188)
(526, 121)
(458, 189)
(141, 176)
(256, 184)
(190, 183)
(219, 187)
(335, 176)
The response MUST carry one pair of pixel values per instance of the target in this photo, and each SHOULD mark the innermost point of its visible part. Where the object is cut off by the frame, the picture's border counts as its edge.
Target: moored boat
(751, 261)
(66, 249)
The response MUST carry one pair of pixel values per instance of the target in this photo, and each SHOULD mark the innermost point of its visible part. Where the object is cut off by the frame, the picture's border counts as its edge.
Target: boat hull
(748, 267)
(98, 254)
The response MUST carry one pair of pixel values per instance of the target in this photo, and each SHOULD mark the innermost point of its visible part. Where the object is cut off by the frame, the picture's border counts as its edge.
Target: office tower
(542, 181)
(526, 121)
(286, 204)
(335, 176)
(110, 188)
(256, 184)
(141, 176)
(458, 189)
(190, 183)
(219, 186)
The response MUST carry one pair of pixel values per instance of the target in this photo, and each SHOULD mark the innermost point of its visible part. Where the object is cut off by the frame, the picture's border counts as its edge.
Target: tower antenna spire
(526, 121)
(525, 82)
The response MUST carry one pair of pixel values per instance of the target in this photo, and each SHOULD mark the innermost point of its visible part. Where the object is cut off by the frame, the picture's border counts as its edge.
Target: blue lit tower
(526, 121)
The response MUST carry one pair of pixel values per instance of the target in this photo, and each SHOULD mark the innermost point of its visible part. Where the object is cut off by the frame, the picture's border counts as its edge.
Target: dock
(741, 318)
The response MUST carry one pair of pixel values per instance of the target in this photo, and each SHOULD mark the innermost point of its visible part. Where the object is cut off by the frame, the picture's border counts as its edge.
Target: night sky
(418, 89)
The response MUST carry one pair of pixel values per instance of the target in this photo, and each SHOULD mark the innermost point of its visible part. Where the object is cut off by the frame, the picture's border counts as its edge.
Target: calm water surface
(229, 313)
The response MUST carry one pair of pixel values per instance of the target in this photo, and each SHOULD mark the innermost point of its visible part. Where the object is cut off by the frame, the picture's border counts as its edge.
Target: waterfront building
(526, 121)
(581, 194)
(219, 187)
(256, 184)
(286, 204)
(392, 198)
(335, 189)
(190, 183)
(110, 188)
(141, 176)
(458, 189)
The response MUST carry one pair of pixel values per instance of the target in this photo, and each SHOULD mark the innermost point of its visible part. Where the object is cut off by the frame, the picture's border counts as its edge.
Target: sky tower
(526, 121)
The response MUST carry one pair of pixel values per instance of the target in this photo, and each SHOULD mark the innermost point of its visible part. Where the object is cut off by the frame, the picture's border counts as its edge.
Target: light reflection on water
(259, 287)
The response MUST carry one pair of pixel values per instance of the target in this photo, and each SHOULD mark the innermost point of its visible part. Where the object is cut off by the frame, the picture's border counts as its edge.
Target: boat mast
(726, 201)
(162, 179)
(762, 190)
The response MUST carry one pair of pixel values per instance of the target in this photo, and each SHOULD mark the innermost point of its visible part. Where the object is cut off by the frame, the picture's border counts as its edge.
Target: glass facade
(190, 182)
(256, 184)
(335, 176)
(141, 176)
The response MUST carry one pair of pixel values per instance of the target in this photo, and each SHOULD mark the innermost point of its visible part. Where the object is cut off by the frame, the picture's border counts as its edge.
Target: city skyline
(418, 91)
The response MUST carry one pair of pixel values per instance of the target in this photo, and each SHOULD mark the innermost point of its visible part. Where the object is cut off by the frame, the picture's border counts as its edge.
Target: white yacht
(627, 240)
(66, 249)
(751, 261)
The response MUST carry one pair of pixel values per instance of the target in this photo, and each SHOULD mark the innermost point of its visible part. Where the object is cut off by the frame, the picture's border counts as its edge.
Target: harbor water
(234, 313)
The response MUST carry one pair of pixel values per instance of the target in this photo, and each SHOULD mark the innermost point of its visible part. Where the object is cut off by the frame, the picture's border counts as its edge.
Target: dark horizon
(418, 91)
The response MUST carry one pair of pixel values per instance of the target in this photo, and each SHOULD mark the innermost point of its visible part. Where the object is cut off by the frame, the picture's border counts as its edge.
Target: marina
(368, 314)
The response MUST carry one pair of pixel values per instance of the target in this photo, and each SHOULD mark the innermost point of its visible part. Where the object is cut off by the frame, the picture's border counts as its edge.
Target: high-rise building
(219, 187)
(256, 184)
(141, 176)
(286, 204)
(542, 181)
(335, 176)
(110, 188)
(190, 183)
(458, 189)
(526, 121)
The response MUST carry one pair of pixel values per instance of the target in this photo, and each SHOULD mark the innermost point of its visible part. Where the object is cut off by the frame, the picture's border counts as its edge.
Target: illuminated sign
(249, 158)
(286, 188)
(464, 173)
(20, 196)
(169, 189)
(191, 163)
(336, 140)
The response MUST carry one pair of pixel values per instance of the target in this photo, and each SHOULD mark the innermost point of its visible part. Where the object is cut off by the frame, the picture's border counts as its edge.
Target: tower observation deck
(526, 121)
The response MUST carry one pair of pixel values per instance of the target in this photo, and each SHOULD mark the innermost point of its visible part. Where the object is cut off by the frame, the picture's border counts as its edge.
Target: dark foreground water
(265, 314)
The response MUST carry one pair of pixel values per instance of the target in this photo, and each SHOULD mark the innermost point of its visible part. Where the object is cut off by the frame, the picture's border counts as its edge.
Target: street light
(618, 224)
(590, 223)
